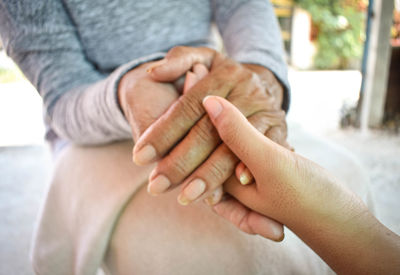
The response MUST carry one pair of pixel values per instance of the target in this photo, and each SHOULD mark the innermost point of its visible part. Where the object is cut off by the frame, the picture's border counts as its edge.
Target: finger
(199, 143)
(243, 174)
(237, 132)
(179, 83)
(199, 72)
(175, 123)
(160, 183)
(249, 221)
(190, 81)
(213, 172)
(179, 60)
(140, 115)
(278, 134)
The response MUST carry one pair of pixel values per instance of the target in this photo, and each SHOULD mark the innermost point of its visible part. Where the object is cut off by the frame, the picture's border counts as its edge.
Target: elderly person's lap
(98, 211)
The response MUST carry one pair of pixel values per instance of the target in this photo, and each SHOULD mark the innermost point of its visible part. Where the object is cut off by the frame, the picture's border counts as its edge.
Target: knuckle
(260, 123)
(180, 168)
(204, 130)
(191, 108)
(177, 51)
(217, 173)
(176, 168)
(237, 216)
(221, 169)
(231, 68)
(249, 76)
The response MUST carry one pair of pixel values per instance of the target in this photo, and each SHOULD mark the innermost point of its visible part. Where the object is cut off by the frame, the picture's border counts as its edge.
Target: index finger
(179, 60)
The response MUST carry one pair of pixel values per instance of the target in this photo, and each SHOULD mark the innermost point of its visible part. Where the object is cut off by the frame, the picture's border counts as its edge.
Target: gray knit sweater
(75, 51)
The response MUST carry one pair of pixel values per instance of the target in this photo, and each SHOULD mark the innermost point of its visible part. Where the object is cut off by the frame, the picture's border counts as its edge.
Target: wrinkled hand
(230, 208)
(143, 99)
(184, 136)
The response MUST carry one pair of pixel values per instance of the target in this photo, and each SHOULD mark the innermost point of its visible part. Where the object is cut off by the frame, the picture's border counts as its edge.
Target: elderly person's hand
(184, 136)
(143, 99)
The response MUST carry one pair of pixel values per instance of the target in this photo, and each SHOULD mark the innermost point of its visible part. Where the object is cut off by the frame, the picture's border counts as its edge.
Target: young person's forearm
(338, 226)
(333, 221)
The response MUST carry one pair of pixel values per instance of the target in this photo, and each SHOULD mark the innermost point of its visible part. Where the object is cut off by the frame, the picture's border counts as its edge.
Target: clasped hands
(170, 126)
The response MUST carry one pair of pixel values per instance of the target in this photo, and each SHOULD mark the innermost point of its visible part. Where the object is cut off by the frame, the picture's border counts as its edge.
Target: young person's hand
(300, 194)
(184, 140)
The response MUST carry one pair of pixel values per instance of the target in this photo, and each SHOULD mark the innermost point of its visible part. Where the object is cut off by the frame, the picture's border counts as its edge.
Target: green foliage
(340, 31)
(10, 75)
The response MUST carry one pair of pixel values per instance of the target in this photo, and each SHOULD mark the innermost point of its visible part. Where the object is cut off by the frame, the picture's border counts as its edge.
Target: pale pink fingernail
(158, 185)
(277, 231)
(194, 190)
(212, 105)
(145, 155)
(274, 230)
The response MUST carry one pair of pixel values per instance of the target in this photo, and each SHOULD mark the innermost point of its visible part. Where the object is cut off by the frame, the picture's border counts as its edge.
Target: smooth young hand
(334, 222)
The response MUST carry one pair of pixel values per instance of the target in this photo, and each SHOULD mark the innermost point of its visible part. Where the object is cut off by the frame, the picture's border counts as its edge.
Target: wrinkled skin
(184, 140)
(151, 100)
(143, 100)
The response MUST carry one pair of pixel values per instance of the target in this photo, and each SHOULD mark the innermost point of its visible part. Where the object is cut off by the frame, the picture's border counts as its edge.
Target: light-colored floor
(24, 173)
(25, 162)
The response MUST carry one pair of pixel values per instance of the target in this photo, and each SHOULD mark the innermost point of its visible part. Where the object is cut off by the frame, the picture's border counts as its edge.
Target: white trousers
(97, 213)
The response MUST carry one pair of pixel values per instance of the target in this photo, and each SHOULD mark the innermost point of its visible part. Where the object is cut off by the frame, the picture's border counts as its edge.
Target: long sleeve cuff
(112, 101)
(91, 114)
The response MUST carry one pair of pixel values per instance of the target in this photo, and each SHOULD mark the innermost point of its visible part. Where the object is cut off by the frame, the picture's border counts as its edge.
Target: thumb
(248, 144)
(178, 61)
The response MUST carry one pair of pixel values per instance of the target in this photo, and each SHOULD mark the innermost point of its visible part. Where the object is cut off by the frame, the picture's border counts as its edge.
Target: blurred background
(344, 59)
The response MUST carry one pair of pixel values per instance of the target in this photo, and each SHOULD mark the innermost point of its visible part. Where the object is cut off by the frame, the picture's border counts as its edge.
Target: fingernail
(183, 200)
(192, 191)
(156, 64)
(215, 197)
(145, 155)
(158, 185)
(281, 238)
(270, 229)
(212, 106)
(245, 177)
(277, 231)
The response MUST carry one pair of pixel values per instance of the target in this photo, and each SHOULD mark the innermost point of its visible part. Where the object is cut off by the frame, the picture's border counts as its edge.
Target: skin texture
(144, 100)
(184, 140)
(300, 194)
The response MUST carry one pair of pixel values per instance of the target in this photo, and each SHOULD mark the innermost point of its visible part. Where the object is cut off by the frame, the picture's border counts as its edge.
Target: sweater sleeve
(251, 34)
(80, 101)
